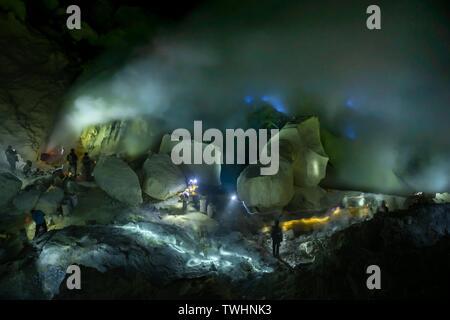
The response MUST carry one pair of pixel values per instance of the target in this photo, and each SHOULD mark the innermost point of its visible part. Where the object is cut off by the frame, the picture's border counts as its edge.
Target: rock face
(206, 174)
(301, 145)
(302, 166)
(50, 200)
(308, 157)
(132, 137)
(118, 180)
(33, 79)
(160, 254)
(162, 179)
(266, 192)
(407, 244)
(10, 185)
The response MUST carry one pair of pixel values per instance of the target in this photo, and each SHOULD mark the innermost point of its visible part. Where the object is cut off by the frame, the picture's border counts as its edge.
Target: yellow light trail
(287, 225)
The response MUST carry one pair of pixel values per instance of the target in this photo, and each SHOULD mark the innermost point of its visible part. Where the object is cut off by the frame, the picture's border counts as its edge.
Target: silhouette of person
(277, 237)
(12, 157)
(72, 158)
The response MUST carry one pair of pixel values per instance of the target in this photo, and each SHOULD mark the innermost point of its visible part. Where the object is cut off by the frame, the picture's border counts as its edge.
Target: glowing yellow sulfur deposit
(304, 222)
(287, 225)
(311, 223)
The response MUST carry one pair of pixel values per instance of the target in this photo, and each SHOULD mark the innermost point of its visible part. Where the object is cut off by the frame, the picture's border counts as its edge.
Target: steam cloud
(385, 93)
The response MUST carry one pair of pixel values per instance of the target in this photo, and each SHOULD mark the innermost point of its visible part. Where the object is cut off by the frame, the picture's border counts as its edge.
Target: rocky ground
(156, 259)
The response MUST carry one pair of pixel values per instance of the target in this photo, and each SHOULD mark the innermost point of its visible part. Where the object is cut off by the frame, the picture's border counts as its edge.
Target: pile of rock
(303, 164)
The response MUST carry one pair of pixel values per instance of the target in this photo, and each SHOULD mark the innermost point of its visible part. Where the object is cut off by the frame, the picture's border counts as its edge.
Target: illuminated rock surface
(159, 253)
(158, 260)
(118, 180)
(303, 163)
(128, 137)
(301, 145)
(162, 179)
(266, 192)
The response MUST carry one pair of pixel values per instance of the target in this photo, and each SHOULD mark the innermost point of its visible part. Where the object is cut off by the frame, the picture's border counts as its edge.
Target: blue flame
(248, 99)
(351, 104)
(274, 102)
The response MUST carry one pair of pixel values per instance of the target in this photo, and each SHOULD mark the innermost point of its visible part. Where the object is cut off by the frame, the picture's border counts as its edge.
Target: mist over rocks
(283, 57)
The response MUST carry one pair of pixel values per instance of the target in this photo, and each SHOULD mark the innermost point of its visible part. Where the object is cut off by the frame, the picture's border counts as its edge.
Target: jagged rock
(301, 145)
(50, 200)
(425, 227)
(10, 185)
(132, 137)
(162, 178)
(118, 180)
(162, 254)
(266, 192)
(206, 174)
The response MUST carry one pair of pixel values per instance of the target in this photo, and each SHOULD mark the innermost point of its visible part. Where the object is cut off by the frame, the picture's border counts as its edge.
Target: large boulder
(10, 185)
(118, 180)
(206, 174)
(162, 179)
(266, 191)
(26, 200)
(300, 144)
(50, 200)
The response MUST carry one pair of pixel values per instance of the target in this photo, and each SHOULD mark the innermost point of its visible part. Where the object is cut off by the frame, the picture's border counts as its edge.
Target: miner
(87, 167)
(384, 208)
(277, 237)
(39, 219)
(184, 196)
(12, 157)
(72, 158)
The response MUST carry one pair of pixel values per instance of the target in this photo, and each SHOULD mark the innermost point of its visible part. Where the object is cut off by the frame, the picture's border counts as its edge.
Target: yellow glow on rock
(287, 225)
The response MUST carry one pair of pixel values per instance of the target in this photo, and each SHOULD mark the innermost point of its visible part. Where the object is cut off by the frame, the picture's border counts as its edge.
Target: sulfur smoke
(383, 95)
